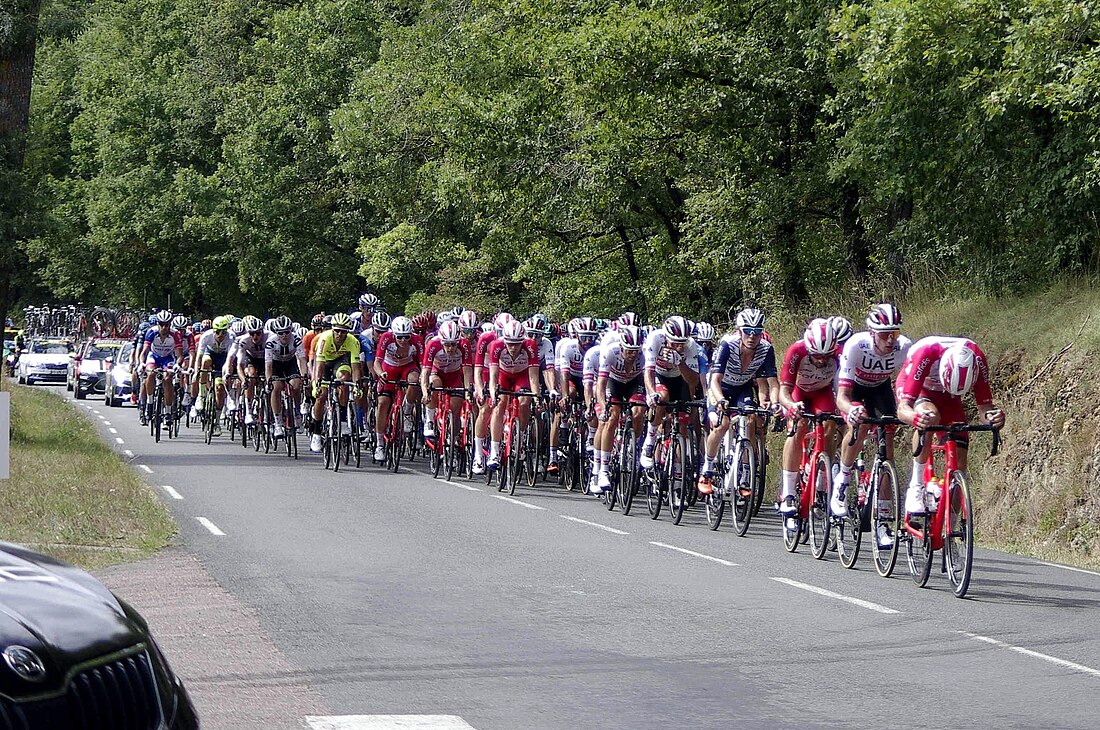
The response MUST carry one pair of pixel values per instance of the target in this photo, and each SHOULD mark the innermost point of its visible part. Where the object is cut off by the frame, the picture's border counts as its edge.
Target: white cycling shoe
(315, 443)
(914, 499)
(838, 504)
(380, 453)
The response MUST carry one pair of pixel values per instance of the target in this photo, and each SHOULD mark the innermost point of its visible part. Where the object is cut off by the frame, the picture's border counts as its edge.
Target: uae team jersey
(861, 365)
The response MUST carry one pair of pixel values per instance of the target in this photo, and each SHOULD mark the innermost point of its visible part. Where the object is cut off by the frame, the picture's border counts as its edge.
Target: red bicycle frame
(813, 445)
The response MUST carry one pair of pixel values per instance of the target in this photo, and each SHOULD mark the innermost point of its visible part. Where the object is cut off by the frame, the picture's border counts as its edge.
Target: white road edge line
(210, 526)
(102, 418)
(119, 441)
(516, 501)
(172, 492)
(387, 722)
(95, 411)
(1028, 652)
(594, 524)
(145, 469)
(1069, 567)
(113, 430)
(839, 596)
(129, 453)
(467, 487)
(106, 423)
(694, 554)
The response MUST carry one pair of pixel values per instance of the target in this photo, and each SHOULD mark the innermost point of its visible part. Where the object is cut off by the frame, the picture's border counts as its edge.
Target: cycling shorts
(285, 369)
(448, 380)
(577, 384)
(165, 362)
(633, 390)
(672, 388)
(513, 381)
(822, 400)
(217, 361)
(246, 361)
(408, 373)
(330, 368)
(878, 400)
(735, 396)
(950, 407)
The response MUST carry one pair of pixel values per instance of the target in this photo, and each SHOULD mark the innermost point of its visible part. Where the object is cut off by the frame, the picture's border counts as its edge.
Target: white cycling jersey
(861, 365)
(275, 350)
(209, 345)
(661, 358)
(615, 366)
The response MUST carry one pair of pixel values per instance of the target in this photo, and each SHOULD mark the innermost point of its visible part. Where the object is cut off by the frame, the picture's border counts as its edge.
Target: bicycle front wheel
(885, 524)
(819, 508)
(849, 530)
(958, 534)
(918, 553)
(677, 486)
(739, 484)
(628, 472)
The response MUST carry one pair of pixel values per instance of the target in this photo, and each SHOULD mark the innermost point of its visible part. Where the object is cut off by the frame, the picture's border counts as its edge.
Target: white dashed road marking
(467, 487)
(594, 524)
(129, 453)
(210, 526)
(516, 501)
(119, 441)
(1028, 652)
(695, 554)
(389, 722)
(113, 430)
(145, 469)
(839, 596)
(172, 492)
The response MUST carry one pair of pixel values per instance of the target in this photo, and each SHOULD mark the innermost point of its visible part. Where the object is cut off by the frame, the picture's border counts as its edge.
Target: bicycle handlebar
(869, 421)
(815, 418)
(959, 428)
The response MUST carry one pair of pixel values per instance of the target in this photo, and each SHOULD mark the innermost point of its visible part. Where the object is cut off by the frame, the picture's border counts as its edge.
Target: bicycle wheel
(918, 553)
(158, 413)
(885, 515)
(628, 471)
(450, 449)
(355, 444)
(530, 455)
(848, 530)
(208, 417)
(326, 430)
(259, 428)
(678, 479)
(435, 453)
(793, 527)
(819, 509)
(654, 492)
(739, 485)
(338, 455)
(516, 457)
(571, 469)
(958, 534)
(761, 456)
(394, 440)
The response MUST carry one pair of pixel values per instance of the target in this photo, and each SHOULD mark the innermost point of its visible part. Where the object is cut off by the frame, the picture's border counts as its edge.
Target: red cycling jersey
(810, 383)
(513, 373)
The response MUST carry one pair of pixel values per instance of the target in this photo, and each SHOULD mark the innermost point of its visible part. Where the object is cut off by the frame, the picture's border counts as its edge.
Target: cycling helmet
(704, 332)
(449, 332)
(252, 324)
(750, 317)
(602, 325)
(820, 337)
(380, 321)
(538, 323)
(301, 331)
(424, 321)
(222, 323)
(152, 318)
(500, 320)
(487, 327)
(317, 322)
(369, 301)
(327, 320)
(196, 328)
(445, 316)
(401, 327)
(842, 328)
(143, 327)
(341, 322)
(677, 329)
(162, 317)
(282, 325)
(630, 337)
(571, 327)
(958, 369)
(513, 332)
(237, 328)
(457, 312)
(628, 319)
(555, 330)
(584, 327)
(884, 317)
(468, 320)
(180, 322)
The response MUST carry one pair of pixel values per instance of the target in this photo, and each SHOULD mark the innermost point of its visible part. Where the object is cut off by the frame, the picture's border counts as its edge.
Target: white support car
(44, 360)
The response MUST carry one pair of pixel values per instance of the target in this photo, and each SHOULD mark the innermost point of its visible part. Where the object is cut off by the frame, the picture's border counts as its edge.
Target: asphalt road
(403, 595)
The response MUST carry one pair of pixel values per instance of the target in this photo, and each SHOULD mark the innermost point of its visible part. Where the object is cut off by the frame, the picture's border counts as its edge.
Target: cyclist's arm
(714, 386)
(601, 391)
(467, 377)
(494, 371)
(533, 378)
(844, 398)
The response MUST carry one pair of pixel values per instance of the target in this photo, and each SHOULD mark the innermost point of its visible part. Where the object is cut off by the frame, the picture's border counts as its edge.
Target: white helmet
(750, 317)
(630, 337)
(842, 328)
(704, 332)
(958, 369)
(820, 337)
(449, 332)
(514, 332)
(677, 329)
(884, 317)
(401, 326)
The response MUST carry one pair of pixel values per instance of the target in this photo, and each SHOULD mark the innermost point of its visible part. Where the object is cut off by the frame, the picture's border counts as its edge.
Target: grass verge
(69, 495)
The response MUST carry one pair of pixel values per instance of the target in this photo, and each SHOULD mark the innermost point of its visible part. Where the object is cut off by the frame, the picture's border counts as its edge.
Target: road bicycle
(811, 520)
(738, 470)
(447, 449)
(396, 440)
(673, 474)
(514, 445)
(208, 408)
(872, 500)
(623, 466)
(572, 438)
(948, 525)
(286, 418)
(337, 446)
(156, 405)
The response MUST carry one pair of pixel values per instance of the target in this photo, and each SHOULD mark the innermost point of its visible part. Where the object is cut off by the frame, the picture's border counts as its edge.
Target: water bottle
(932, 493)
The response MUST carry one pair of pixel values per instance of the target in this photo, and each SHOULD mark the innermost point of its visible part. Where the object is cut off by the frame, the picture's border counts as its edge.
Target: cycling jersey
(309, 342)
(569, 357)
(209, 345)
(275, 350)
(162, 347)
(735, 372)
(439, 360)
(615, 366)
(920, 374)
(481, 352)
(394, 354)
(591, 364)
(546, 354)
(513, 373)
(860, 364)
(664, 360)
(801, 372)
(326, 349)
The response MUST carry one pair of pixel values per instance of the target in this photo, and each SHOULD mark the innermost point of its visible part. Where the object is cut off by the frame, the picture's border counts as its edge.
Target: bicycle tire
(516, 457)
(435, 455)
(531, 451)
(654, 493)
(819, 526)
(677, 485)
(848, 530)
(450, 455)
(628, 471)
(885, 560)
(335, 437)
(158, 412)
(394, 441)
(208, 418)
(355, 445)
(918, 554)
(741, 505)
(762, 469)
(958, 535)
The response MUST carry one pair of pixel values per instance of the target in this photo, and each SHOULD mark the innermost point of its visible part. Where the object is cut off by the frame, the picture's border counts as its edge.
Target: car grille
(120, 694)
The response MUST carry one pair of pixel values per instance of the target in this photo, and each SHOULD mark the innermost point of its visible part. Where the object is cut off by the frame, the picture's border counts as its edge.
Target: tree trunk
(16, 71)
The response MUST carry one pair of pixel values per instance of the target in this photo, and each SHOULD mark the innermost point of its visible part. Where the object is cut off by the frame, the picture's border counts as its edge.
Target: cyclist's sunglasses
(752, 331)
(402, 337)
(256, 332)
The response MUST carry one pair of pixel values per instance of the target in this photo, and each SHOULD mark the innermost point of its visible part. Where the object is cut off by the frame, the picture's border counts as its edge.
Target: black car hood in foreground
(59, 612)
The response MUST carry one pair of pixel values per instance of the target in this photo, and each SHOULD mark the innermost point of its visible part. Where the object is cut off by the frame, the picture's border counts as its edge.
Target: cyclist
(481, 384)
(806, 386)
(336, 357)
(569, 357)
(187, 345)
(867, 363)
(397, 364)
(842, 328)
(936, 374)
(671, 362)
(229, 371)
(424, 325)
(619, 378)
(250, 352)
(284, 357)
(743, 358)
(369, 303)
(162, 350)
(514, 366)
(448, 363)
(210, 355)
(137, 368)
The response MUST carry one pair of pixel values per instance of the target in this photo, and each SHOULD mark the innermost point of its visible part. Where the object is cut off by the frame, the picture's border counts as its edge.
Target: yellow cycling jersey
(325, 349)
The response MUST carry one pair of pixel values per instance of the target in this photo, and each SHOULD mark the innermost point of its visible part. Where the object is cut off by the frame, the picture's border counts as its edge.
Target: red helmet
(449, 332)
(424, 321)
(820, 337)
